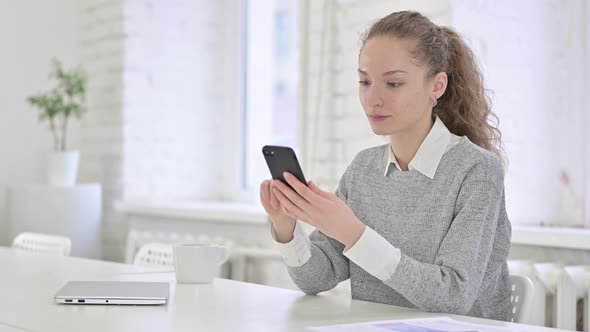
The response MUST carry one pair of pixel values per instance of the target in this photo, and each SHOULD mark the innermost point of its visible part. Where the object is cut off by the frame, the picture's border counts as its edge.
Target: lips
(378, 117)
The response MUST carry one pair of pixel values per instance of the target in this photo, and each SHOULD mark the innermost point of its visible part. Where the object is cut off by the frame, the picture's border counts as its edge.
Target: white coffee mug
(198, 263)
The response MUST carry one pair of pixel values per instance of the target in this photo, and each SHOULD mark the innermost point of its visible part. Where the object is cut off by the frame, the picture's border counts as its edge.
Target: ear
(440, 81)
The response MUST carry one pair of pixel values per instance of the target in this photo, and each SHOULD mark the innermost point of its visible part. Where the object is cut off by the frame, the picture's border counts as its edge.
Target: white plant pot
(63, 168)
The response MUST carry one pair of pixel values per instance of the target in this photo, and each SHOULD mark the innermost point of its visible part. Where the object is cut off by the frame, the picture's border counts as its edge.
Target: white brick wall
(533, 57)
(586, 55)
(162, 103)
(101, 142)
(170, 98)
(180, 100)
(532, 53)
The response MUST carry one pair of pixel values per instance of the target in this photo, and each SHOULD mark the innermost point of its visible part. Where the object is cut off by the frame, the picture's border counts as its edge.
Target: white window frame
(256, 107)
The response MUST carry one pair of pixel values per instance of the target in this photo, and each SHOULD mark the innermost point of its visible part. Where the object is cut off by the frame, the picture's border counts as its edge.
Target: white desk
(29, 282)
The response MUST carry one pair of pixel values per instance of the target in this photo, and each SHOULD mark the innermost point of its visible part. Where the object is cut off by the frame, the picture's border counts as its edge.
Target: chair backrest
(38, 242)
(154, 253)
(522, 289)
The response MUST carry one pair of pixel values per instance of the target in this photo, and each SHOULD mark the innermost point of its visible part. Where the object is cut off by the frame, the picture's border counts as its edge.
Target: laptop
(113, 292)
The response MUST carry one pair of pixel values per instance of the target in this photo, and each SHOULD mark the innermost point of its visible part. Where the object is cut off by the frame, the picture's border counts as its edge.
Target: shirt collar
(429, 153)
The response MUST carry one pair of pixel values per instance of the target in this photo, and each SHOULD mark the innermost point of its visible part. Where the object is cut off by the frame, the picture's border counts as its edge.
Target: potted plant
(57, 106)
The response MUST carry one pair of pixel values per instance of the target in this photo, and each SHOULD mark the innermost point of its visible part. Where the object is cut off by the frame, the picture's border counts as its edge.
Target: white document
(439, 324)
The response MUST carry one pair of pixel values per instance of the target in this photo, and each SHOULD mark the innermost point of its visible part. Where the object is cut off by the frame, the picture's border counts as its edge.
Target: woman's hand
(283, 224)
(323, 210)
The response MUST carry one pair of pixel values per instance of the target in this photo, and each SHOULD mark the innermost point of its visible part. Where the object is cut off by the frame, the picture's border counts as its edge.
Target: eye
(365, 83)
(394, 85)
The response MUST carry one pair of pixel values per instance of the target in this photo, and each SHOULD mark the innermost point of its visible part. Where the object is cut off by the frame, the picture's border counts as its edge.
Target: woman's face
(394, 91)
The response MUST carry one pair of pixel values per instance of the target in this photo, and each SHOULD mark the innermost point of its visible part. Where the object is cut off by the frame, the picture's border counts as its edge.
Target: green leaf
(67, 96)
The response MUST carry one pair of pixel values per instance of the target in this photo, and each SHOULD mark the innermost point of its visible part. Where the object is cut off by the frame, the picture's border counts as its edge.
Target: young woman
(419, 222)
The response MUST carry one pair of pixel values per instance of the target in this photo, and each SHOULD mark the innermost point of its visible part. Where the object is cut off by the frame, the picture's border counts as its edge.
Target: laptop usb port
(68, 301)
(81, 301)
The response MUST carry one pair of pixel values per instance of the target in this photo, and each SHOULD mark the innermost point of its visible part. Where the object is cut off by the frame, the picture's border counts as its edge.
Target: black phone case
(282, 159)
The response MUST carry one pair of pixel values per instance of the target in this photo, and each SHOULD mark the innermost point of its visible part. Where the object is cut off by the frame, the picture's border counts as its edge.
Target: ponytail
(465, 107)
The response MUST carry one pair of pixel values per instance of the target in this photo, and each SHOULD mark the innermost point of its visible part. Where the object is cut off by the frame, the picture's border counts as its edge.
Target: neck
(405, 144)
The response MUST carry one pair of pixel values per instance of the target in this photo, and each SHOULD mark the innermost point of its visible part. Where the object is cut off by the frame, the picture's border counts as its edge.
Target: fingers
(264, 191)
(302, 189)
(294, 197)
(292, 209)
(265, 194)
(274, 201)
(319, 191)
(288, 213)
(267, 197)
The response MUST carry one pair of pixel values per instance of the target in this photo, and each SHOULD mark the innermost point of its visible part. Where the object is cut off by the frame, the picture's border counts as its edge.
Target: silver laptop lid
(113, 292)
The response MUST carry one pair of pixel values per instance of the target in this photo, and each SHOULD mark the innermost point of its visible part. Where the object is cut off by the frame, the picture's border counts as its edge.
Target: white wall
(101, 144)
(179, 100)
(532, 53)
(31, 32)
(163, 93)
(586, 55)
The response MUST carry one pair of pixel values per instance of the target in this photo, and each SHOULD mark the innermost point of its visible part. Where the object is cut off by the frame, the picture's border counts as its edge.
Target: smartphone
(282, 159)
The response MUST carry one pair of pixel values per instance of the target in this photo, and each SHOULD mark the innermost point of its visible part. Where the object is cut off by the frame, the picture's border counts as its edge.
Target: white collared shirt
(372, 252)
(438, 142)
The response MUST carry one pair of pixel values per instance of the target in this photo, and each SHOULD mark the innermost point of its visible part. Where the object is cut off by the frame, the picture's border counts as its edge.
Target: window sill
(556, 237)
(250, 213)
(222, 212)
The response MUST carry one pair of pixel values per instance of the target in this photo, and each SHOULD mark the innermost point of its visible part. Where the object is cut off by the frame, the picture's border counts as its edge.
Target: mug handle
(223, 257)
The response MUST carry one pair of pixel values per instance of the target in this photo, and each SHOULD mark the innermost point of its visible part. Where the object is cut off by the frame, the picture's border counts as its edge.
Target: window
(270, 97)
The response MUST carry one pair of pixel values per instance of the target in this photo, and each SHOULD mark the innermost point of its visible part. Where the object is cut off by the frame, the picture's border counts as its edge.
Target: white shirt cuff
(374, 254)
(297, 251)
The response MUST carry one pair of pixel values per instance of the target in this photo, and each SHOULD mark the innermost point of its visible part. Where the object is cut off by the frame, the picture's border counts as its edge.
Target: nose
(373, 97)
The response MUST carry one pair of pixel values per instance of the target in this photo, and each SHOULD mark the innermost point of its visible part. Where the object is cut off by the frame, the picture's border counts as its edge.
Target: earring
(434, 101)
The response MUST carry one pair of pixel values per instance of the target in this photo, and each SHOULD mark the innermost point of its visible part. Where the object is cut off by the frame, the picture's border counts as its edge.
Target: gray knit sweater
(453, 233)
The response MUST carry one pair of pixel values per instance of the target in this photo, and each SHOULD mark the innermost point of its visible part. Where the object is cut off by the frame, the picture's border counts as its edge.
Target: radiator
(580, 276)
(557, 291)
